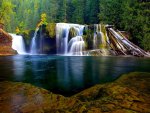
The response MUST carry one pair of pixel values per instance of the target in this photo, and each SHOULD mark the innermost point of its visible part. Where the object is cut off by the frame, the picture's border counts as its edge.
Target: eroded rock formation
(6, 43)
(130, 93)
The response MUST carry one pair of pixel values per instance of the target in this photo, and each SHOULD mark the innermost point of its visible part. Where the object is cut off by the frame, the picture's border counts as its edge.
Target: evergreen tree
(129, 15)
(91, 11)
(62, 11)
(6, 9)
(77, 13)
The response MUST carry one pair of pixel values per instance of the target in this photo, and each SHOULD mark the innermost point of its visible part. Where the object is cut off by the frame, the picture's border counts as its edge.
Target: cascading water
(99, 38)
(95, 36)
(62, 32)
(33, 48)
(76, 45)
(64, 46)
(18, 44)
(69, 41)
(100, 41)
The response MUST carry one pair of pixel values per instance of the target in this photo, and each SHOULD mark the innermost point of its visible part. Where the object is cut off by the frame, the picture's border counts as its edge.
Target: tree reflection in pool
(68, 75)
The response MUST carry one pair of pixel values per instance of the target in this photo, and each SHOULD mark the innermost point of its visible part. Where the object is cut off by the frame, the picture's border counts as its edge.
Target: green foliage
(76, 10)
(88, 36)
(129, 15)
(6, 9)
(83, 11)
(43, 20)
(26, 13)
(91, 11)
(50, 28)
(62, 11)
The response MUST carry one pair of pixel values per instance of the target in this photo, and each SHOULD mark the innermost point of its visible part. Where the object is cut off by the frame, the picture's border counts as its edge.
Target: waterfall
(76, 45)
(62, 38)
(95, 45)
(98, 38)
(33, 48)
(18, 43)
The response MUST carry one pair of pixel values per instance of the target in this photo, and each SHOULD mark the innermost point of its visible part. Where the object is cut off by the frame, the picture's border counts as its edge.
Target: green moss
(27, 35)
(72, 33)
(50, 29)
(103, 30)
(127, 94)
(101, 46)
(88, 36)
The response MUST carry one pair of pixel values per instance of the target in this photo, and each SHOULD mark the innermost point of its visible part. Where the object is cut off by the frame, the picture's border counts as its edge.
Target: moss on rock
(72, 33)
(25, 98)
(88, 34)
(51, 30)
(129, 94)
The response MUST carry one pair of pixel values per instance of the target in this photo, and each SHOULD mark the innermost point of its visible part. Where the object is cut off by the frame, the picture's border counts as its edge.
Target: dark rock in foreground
(130, 93)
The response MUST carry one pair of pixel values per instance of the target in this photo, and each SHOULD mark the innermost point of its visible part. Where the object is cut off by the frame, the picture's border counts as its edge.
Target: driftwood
(124, 45)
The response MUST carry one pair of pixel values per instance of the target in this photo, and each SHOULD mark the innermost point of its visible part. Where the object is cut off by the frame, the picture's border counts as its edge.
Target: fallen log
(132, 48)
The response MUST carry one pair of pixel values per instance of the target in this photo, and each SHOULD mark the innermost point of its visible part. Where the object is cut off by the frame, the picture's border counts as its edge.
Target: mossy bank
(129, 94)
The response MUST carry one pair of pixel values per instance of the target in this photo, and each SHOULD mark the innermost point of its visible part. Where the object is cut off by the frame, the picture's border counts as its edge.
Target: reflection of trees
(70, 73)
(67, 75)
(105, 69)
(18, 67)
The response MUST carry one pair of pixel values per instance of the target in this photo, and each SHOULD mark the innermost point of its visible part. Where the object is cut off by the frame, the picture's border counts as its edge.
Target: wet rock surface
(130, 93)
(6, 43)
(25, 98)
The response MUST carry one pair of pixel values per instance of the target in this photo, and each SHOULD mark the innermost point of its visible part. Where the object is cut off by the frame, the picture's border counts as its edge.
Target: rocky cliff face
(6, 43)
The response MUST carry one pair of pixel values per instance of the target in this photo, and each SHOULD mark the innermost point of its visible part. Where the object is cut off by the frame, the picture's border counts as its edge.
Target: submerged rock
(6, 43)
(130, 93)
(25, 98)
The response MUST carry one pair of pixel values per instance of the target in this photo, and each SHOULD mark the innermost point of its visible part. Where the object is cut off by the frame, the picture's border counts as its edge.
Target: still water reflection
(68, 74)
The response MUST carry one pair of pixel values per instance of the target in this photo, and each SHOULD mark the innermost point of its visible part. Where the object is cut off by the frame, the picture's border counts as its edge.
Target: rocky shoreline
(130, 93)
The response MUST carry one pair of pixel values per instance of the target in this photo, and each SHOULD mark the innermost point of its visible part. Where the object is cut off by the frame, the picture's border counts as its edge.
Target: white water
(95, 41)
(76, 45)
(33, 48)
(62, 34)
(98, 34)
(18, 44)
(95, 36)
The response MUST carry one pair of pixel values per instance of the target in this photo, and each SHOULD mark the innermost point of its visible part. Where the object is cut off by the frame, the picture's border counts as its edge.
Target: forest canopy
(26, 12)
(132, 16)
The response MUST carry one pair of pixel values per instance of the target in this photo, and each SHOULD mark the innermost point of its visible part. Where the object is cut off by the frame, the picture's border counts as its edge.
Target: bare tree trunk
(125, 44)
